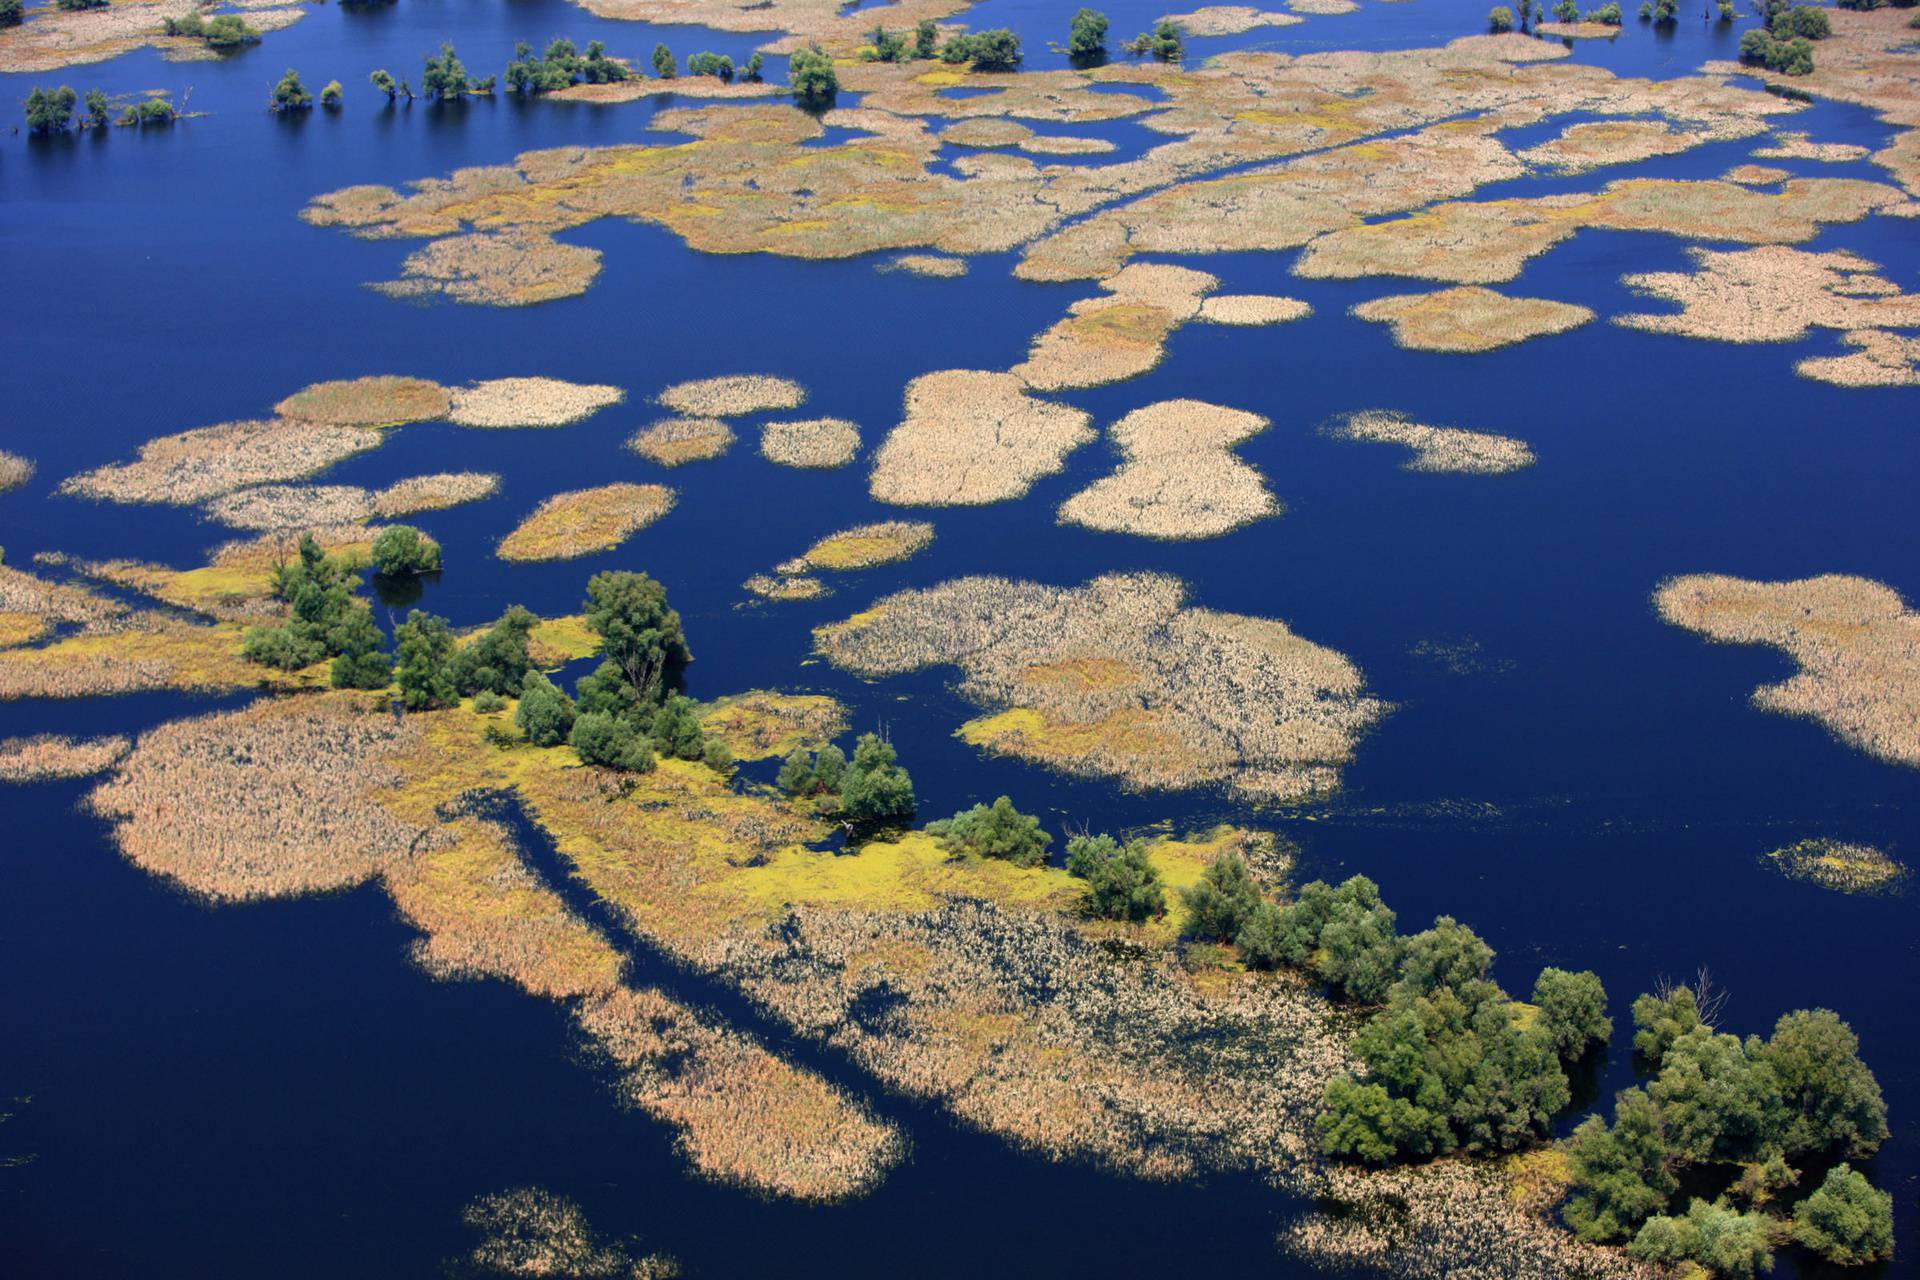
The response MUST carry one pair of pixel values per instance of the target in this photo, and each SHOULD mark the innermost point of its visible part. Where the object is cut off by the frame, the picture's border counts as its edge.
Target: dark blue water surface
(275, 1090)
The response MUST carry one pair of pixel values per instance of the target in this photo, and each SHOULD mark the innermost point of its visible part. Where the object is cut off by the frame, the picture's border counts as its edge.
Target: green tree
(796, 777)
(1806, 21)
(331, 95)
(926, 40)
(1718, 1098)
(995, 50)
(545, 714)
(1366, 1123)
(96, 108)
(445, 76)
(1573, 1011)
(830, 769)
(1087, 35)
(1500, 19)
(639, 631)
(605, 690)
(1620, 1176)
(1345, 936)
(1846, 1221)
(611, 741)
(1447, 955)
(888, 46)
(358, 662)
(1122, 882)
(676, 729)
(876, 789)
(1659, 1020)
(752, 72)
(811, 76)
(997, 830)
(1165, 42)
(1607, 14)
(1223, 900)
(1832, 1100)
(498, 659)
(290, 94)
(1724, 1241)
(1566, 11)
(402, 549)
(9, 13)
(717, 65)
(50, 110)
(663, 63)
(383, 81)
(424, 668)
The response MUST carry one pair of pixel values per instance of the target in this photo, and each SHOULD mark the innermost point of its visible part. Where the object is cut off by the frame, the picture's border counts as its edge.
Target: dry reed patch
(733, 396)
(24, 594)
(1229, 20)
(1577, 30)
(272, 801)
(530, 402)
(512, 268)
(434, 493)
(1755, 175)
(1838, 865)
(383, 401)
(1470, 320)
(48, 38)
(1798, 146)
(1323, 8)
(814, 442)
(763, 724)
(203, 463)
(58, 756)
(1214, 697)
(1857, 645)
(636, 87)
(1772, 294)
(1179, 477)
(584, 521)
(985, 131)
(1882, 360)
(867, 545)
(1119, 336)
(1438, 448)
(21, 628)
(785, 587)
(291, 506)
(971, 437)
(14, 470)
(934, 265)
(1252, 309)
(138, 653)
(531, 1234)
(236, 583)
(674, 442)
(1593, 144)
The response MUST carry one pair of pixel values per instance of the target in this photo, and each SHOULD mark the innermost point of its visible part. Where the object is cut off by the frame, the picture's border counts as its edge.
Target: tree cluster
(560, 66)
(995, 50)
(445, 77)
(323, 621)
(1165, 42)
(401, 550)
(50, 110)
(1661, 13)
(290, 94)
(1607, 14)
(1791, 57)
(997, 830)
(717, 65)
(222, 31)
(811, 77)
(1122, 882)
(870, 790)
(1087, 36)
(1787, 21)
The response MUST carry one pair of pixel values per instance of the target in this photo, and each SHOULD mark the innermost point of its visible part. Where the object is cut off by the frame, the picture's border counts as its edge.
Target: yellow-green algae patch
(58, 756)
(382, 401)
(970, 437)
(21, 628)
(1838, 865)
(867, 545)
(1856, 643)
(584, 521)
(1120, 678)
(1438, 448)
(1179, 477)
(1468, 320)
(674, 442)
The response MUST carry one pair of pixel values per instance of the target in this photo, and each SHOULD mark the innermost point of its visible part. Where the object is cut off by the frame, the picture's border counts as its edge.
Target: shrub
(717, 65)
(1164, 42)
(445, 76)
(149, 111)
(639, 632)
(383, 81)
(1500, 19)
(1846, 1221)
(1566, 11)
(1662, 13)
(96, 108)
(886, 47)
(610, 741)
(752, 71)
(486, 702)
(1723, 1240)
(545, 714)
(1659, 1020)
(402, 549)
(1087, 35)
(1788, 57)
(1831, 1096)
(875, 788)
(49, 110)
(718, 757)
(675, 729)
(359, 664)
(1573, 1011)
(290, 94)
(802, 775)
(1607, 14)
(926, 40)
(811, 76)
(1804, 21)
(1366, 1123)
(1345, 936)
(663, 63)
(1619, 1175)
(331, 95)
(423, 668)
(1122, 883)
(1223, 900)
(497, 660)
(995, 831)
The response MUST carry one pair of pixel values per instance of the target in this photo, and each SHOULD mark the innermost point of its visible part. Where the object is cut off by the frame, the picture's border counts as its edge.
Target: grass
(21, 628)
(580, 523)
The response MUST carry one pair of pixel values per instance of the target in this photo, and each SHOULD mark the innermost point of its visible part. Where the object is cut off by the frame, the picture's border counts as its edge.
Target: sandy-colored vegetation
(1179, 476)
(58, 756)
(531, 1234)
(1838, 865)
(585, 521)
(193, 466)
(14, 470)
(434, 492)
(1470, 319)
(985, 131)
(937, 266)
(733, 395)
(971, 437)
(1856, 642)
(236, 582)
(1881, 359)
(1252, 309)
(1229, 20)
(21, 628)
(1119, 336)
(763, 724)
(530, 402)
(813, 442)
(1576, 30)
(1594, 144)
(1119, 678)
(292, 506)
(1772, 294)
(1438, 448)
(786, 586)
(674, 442)
(383, 401)
(511, 268)
(870, 544)
(1324, 8)
(1756, 175)
(1798, 146)
(48, 38)
(23, 594)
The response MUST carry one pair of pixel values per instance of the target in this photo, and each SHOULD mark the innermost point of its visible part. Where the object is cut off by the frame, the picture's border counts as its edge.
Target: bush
(752, 71)
(995, 50)
(402, 549)
(1165, 42)
(1724, 1241)
(497, 660)
(1087, 35)
(610, 741)
(717, 65)
(675, 729)
(545, 714)
(290, 94)
(96, 108)
(1788, 57)
(1662, 13)
(331, 95)
(1846, 1221)
(1220, 905)
(802, 775)
(1831, 1096)
(1366, 1123)
(811, 76)
(1804, 21)
(486, 702)
(424, 668)
(1500, 19)
(149, 111)
(1573, 1011)
(1619, 1175)
(718, 757)
(49, 110)
(875, 788)
(663, 63)
(445, 76)
(383, 81)
(359, 664)
(1345, 936)
(1659, 1020)
(1566, 11)
(1607, 14)
(639, 631)
(994, 831)
(1122, 884)
(323, 619)
(886, 47)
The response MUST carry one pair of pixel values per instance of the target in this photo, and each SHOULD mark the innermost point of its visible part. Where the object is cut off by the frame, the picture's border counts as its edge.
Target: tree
(358, 663)
(876, 789)
(9, 12)
(1831, 1098)
(994, 831)
(1447, 955)
(887, 46)
(1087, 35)
(1723, 1240)
(424, 669)
(1165, 42)
(497, 660)
(1500, 19)
(1122, 883)
(1659, 1020)
(1345, 936)
(611, 741)
(1607, 14)
(96, 102)
(926, 40)
(605, 690)
(1573, 1011)
(639, 632)
(383, 81)
(1805, 21)
(1566, 11)
(1846, 1221)
(1718, 1098)
(331, 95)
(401, 549)
(290, 94)
(717, 65)
(830, 769)
(49, 110)
(445, 76)
(676, 729)
(1662, 13)
(1223, 900)
(663, 63)
(1369, 1124)
(1620, 1176)
(545, 714)
(811, 76)
(752, 71)
(995, 50)
(796, 777)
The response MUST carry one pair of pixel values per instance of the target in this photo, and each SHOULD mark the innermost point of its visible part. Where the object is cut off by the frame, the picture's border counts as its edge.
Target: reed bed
(1879, 359)
(49, 38)
(203, 463)
(1798, 146)
(813, 442)
(23, 593)
(1756, 175)
(531, 1234)
(1252, 309)
(1856, 643)
(285, 506)
(733, 396)
(1117, 337)
(386, 400)
(973, 437)
(579, 523)
(1179, 477)
(1467, 320)
(1119, 678)
(14, 470)
(1576, 30)
(1229, 20)
(530, 402)
(786, 586)
(1772, 294)
(937, 266)
(21, 628)
(761, 725)
(867, 545)
(674, 442)
(512, 268)
(1438, 448)
(1595, 144)
(1323, 8)
(1838, 865)
(50, 755)
(434, 492)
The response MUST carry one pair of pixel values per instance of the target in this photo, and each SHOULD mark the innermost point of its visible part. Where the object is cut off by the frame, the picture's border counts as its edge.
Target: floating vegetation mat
(988, 132)
(1857, 644)
(971, 437)
(1229, 20)
(14, 471)
(870, 544)
(1594, 144)
(733, 395)
(763, 725)
(1756, 175)
(674, 442)
(512, 268)
(1438, 448)
(786, 586)
(58, 756)
(813, 442)
(306, 507)
(1837, 865)
(1469, 320)
(1880, 360)
(1180, 477)
(384, 401)
(1772, 294)
(1798, 146)
(208, 461)
(1117, 337)
(929, 264)
(1118, 678)
(585, 521)
(1252, 309)
(434, 492)
(532, 1234)
(530, 402)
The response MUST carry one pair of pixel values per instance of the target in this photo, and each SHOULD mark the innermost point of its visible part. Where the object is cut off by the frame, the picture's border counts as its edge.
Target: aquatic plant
(674, 442)
(1469, 319)
(1838, 865)
(1438, 448)
(530, 1232)
(971, 437)
(867, 545)
(734, 395)
(203, 463)
(58, 756)
(1179, 477)
(14, 470)
(384, 400)
(813, 442)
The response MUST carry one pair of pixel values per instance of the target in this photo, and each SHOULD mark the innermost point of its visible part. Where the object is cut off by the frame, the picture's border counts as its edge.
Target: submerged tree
(50, 110)
(1087, 35)
(290, 94)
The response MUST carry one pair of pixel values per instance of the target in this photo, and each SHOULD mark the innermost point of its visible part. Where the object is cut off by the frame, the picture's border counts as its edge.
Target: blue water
(274, 1090)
